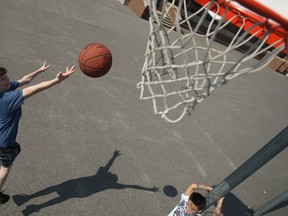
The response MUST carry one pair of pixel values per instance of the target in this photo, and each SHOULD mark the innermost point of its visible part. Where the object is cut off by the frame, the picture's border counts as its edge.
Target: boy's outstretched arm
(217, 211)
(195, 186)
(34, 89)
(29, 77)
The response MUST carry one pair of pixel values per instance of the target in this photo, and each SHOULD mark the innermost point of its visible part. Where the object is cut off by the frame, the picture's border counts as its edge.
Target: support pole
(270, 205)
(261, 157)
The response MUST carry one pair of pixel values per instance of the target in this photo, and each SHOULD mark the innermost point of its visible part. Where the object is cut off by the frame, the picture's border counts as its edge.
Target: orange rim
(260, 11)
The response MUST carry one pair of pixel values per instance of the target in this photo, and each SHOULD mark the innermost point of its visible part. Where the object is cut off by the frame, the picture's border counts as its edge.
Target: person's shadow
(78, 188)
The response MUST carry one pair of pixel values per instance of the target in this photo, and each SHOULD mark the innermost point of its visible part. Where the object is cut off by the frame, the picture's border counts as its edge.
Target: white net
(184, 61)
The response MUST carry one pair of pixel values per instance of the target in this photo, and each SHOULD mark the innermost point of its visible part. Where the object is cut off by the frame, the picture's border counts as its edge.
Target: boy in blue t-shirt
(11, 99)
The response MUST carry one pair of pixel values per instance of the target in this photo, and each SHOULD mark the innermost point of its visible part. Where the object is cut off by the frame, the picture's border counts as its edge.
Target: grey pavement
(69, 133)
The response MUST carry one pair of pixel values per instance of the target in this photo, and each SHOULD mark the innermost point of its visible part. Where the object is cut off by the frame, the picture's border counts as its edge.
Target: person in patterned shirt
(192, 203)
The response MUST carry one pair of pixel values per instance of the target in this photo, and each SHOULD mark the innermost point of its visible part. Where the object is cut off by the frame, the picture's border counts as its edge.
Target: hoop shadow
(78, 188)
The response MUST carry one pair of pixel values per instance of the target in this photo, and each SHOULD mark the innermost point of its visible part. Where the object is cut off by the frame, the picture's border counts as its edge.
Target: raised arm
(195, 186)
(34, 89)
(217, 211)
(29, 77)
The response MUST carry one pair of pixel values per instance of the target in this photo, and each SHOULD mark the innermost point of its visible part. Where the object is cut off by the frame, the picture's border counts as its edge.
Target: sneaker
(4, 198)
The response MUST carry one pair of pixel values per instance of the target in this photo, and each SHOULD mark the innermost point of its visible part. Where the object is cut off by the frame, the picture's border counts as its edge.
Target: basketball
(95, 60)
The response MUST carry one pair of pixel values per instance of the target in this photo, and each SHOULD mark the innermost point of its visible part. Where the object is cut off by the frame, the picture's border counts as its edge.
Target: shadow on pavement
(170, 191)
(78, 188)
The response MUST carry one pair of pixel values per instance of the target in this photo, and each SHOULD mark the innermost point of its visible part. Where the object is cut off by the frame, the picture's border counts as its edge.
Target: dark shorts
(9, 154)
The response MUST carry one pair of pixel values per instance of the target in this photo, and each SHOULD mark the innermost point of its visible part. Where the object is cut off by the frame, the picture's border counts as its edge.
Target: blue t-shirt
(10, 114)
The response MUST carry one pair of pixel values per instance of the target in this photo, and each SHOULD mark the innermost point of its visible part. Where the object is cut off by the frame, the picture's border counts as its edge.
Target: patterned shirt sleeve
(180, 209)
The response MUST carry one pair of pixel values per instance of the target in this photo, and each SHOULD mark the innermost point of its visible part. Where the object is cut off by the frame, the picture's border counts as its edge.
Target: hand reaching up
(44, 67)
(62, 76)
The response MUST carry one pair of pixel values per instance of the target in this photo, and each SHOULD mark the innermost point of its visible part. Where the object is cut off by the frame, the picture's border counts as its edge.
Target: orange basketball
(95, 60)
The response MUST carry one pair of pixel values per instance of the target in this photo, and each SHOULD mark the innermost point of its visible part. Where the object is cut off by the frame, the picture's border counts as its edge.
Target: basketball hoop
(184, 61)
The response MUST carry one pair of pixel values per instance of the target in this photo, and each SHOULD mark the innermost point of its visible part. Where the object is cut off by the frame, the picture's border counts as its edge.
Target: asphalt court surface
(91, 147)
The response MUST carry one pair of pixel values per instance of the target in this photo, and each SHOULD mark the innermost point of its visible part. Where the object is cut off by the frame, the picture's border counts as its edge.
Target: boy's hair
(3, 71)
(198, 200)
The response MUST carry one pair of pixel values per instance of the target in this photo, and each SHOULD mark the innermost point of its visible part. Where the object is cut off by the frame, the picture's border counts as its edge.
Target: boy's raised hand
(29, 77)
(62, 76)
(44, 67)
(34, 89)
